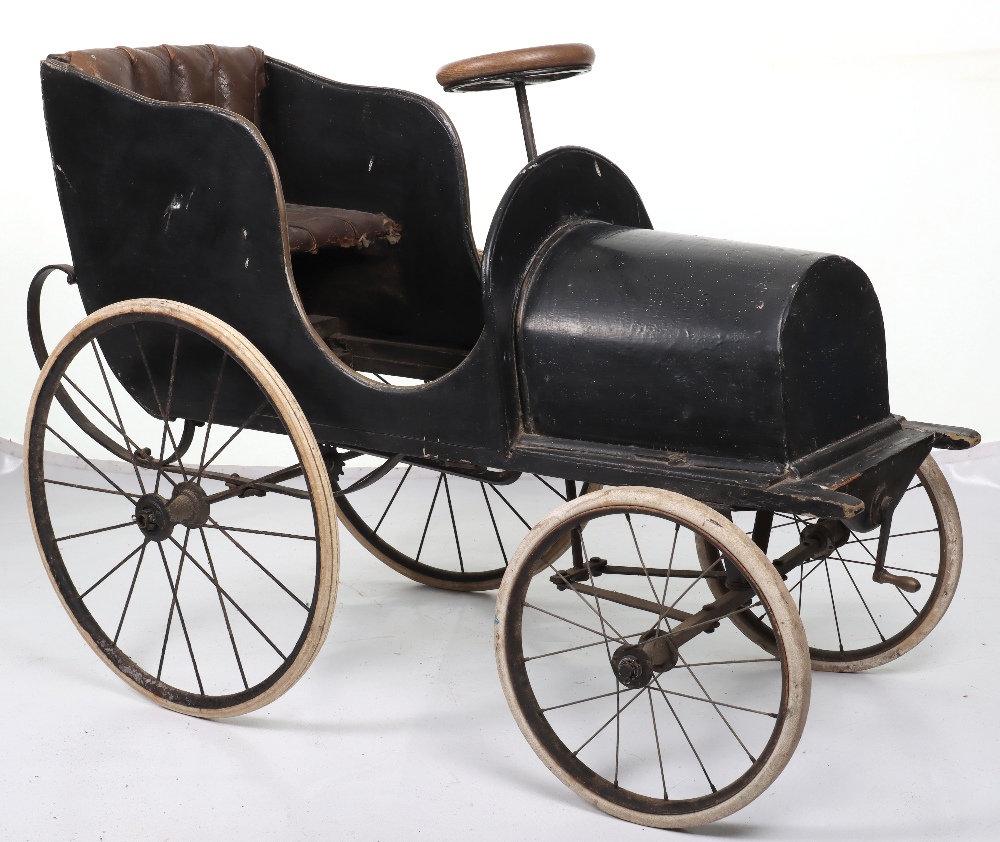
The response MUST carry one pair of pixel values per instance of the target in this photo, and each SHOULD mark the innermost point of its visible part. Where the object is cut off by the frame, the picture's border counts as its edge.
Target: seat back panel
(227, 77)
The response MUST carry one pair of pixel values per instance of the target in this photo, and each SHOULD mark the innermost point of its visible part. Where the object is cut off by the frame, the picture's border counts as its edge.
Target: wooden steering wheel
(529, 66)
(516, 69)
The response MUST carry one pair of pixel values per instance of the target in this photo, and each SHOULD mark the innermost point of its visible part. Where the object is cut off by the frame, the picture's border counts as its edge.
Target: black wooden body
(591, 347)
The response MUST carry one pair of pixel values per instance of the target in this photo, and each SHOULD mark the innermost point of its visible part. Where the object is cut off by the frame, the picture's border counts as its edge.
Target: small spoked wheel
(624, 676)
(852, 622)
(446, 530)
(207, 590)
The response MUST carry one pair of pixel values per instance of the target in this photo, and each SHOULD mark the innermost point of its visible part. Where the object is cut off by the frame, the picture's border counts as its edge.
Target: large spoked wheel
(428, 525)
(625, 677)
(207, 591)
(852, 622)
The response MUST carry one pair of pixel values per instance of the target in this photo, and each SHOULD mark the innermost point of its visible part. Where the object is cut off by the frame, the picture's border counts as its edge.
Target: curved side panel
(384, 151)
(557, 188)
(181, 201)
(165, 200)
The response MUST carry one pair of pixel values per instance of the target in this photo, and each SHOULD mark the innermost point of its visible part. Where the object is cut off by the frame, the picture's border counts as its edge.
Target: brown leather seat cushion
(228, 77)
(312, 228)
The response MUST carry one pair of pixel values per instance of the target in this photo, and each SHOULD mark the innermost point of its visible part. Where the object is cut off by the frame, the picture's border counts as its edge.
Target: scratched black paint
(757, 379)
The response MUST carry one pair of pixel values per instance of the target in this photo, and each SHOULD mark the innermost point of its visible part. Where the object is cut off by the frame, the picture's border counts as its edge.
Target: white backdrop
(868, 129)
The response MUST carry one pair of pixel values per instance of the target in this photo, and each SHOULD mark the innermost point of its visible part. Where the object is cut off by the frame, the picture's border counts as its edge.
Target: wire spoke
(170, 403)
(94, 531)
(567, 620)
(693, 582)
(581, 701)
(427, 522)
(709, 701)
(225, 531)
(236, 432)
(103, 475)
(211, 417)
(890, 567)
(600, 615)
(715, 705)
(739, 661)
(509, 506)
(231, 601)
(164, 411)
(642, 561)
(798, 585)
(680, 725)
(656, 737)
(454, 528)
(618, 713)
(575, 648)
(118, 415)
(493, 520)
(569, 586)
(836, 620)
(215, 525)
(861, 597)
(855, 540)
(112, 570)
(577, 535)
(802, 579)
(175, 603)
(128, 599)
(98, 409)
(85, 487)
(549, 486)
(392, 499)
(906, 599)
(898, 535)
(222, 605)
(670, 571)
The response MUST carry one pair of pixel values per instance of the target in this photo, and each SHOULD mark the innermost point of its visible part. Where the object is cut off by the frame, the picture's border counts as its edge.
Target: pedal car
(279, 269)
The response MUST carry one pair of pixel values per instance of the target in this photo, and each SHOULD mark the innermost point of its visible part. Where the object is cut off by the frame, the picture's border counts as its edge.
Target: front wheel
(623, 673)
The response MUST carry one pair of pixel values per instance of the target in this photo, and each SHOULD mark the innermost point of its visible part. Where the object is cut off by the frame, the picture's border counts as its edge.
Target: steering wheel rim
(528, 66)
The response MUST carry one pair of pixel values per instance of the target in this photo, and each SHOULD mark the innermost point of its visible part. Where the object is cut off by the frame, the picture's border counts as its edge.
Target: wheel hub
(632, 667)
(156, 516)
(189, 505)
(153, 518)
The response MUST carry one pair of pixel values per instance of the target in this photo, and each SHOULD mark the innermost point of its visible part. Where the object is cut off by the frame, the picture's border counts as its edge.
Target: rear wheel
(207, 592)
(852, 622)
(429, 525)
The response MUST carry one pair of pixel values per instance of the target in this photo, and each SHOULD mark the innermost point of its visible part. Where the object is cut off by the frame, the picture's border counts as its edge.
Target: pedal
(904, 583)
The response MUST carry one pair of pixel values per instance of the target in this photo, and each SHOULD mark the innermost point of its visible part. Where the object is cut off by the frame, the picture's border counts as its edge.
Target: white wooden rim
(772, 591)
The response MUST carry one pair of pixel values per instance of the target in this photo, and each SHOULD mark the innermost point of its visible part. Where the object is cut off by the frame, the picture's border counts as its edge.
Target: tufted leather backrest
(229, 77)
